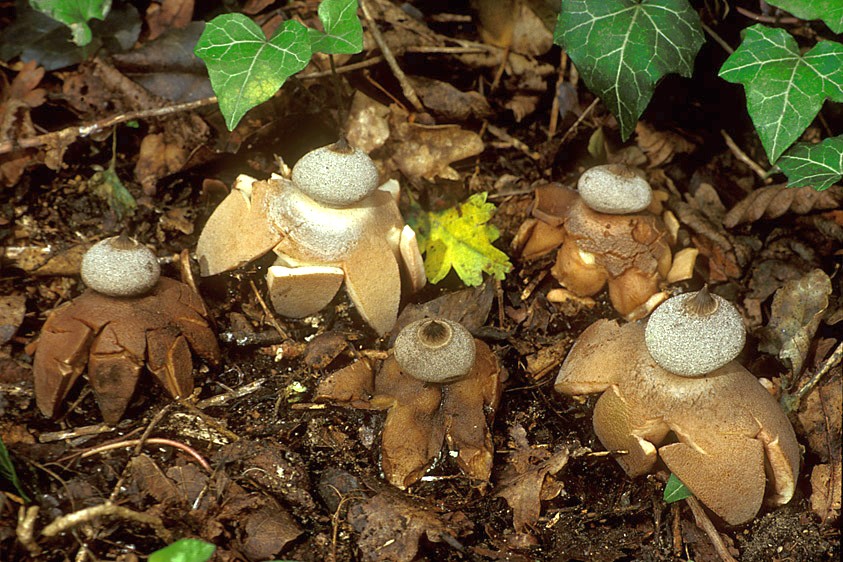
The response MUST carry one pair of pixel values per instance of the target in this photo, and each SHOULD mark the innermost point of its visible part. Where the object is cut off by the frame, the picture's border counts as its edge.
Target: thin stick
(151, 441)
(742, 156)
(69, 134)
(506, 137)
(579, 120)
(766, 19)
(406, 88)
(270, 316)
(71, 520)
(720, 41)
(704, 523)
(501, 68)
(554, 107)
(791, 402)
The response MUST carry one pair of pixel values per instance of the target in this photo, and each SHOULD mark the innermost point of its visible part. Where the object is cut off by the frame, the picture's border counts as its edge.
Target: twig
(225, 397)
(790, 402)
(788, 20)
(151, 441)
(704, 523)
(69, 134)
(554, 107)
(406, 88)
(269, 315)
(106, 509)
(720, 41)
(499, 72)
(579, 120)
(86, 431)
(118, 486)
(506, 137)
(742, 156)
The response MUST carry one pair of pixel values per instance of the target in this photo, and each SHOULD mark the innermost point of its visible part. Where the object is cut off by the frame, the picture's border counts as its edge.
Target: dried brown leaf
(526, 479)
(513, 24)
(367, 126)
(167, 14)
(267, 530)
(470, 307)
(826, 491)
(775, 200)
(797, 309)
(447, 102)
(391, 525)
(352, 385)
(522, 105)
(661, 146)
(16, 101)
(427, 151)
(12, 310)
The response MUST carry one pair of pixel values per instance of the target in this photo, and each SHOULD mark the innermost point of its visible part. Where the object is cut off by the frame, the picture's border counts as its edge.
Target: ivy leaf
(784, 89)
(830, 11)
(461, 238)
(818, 165)
(75, 15)
(343, 32)
(184, 550)
(675, 490)
(622, 48)
(246, 69)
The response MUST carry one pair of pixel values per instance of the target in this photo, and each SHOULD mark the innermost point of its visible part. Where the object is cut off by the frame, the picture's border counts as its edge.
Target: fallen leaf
(267, 530)
(513, 24)
(470, 307)
(16, 101)
(12, 310)
(392, 525)
(527, 478)
(427, 151)
(661, 146)
(796, 312)
(461, 238)
(773, 201)
(447, 102)
(826, 491)
(367, 126)
(161, 16)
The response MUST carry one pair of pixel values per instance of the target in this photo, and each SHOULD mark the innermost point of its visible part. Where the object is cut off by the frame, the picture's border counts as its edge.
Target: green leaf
(818, 165)
(246, 69)
(106, 185)
(830, 11)
(784, 89)
(75, 14)
(184, 550)
(7, 471)
(675, 490)
(461, 238)
(622, 48)
(343, 32)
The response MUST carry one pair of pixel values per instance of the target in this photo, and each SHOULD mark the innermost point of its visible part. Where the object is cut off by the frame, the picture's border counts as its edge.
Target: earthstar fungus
(607, 237)
(422, 413)
(330, 223)
(129, 317)
(712, 424)
(439, 386)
